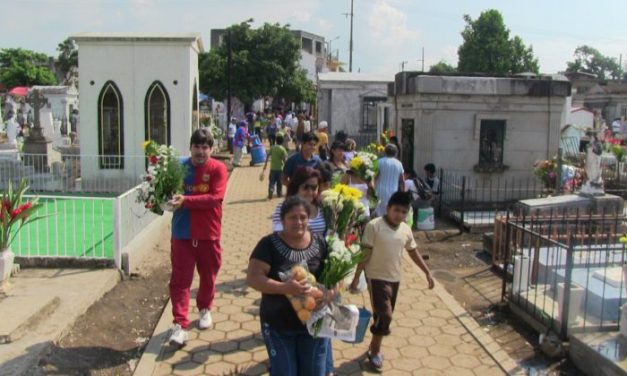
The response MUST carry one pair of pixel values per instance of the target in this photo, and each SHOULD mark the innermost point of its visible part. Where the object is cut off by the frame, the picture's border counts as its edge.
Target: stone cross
(36, 101)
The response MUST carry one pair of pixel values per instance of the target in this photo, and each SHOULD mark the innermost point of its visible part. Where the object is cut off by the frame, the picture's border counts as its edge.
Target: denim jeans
(295, 353)
(275, 179)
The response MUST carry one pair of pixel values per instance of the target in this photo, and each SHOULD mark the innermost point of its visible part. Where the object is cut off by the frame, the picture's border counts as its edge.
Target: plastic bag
(312, 301)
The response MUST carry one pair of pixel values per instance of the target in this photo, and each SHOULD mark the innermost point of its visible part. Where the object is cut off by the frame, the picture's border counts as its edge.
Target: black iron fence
(564, 271)
(477, 201)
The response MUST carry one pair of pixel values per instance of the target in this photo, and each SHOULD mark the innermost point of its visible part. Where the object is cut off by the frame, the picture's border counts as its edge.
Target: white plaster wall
(581, 118)
(134, 66)
(446, 130)
(340, 103)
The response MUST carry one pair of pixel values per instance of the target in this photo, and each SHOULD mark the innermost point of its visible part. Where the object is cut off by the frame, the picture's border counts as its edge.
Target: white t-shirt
(387, 245)
(231, 131)
(307, 126)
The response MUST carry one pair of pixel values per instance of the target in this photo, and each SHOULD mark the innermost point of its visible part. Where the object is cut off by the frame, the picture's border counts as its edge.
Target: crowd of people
(298, 235)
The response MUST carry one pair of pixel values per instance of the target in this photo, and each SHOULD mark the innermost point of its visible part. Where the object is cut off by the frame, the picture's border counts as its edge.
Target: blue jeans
(295, 353)
(275, 179)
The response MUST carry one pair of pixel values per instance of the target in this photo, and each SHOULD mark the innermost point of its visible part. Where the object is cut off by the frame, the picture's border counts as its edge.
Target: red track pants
(206, 256)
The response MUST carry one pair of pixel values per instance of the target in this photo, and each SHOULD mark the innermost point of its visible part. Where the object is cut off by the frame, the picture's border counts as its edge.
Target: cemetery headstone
(37, 149)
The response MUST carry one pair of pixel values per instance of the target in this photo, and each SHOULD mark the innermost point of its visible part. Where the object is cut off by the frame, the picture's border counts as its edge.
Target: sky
(386, 32)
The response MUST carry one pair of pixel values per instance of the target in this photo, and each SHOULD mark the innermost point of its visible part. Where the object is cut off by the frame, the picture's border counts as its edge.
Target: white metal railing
(73, 226)
(83, 227)
(57, 172)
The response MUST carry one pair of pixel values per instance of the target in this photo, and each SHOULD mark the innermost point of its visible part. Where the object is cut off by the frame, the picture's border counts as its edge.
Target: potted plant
(15, 213)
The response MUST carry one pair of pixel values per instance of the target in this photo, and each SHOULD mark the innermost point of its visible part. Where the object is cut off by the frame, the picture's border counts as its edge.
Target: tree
(67, 61)
(590, 60)
(487, 47)
(264, 62)
(442, 67)
(19, 67)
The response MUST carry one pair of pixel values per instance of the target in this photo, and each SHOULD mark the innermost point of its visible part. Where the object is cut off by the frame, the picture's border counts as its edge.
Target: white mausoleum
(134, 87)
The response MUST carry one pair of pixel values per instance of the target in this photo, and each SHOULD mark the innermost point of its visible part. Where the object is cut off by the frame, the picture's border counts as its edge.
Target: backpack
(423, 190)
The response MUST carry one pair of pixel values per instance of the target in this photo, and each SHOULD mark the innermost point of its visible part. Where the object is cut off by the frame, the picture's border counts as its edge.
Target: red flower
(6, 204)
(148, 205)
(148, 178)
(350, 239)
(153, 159)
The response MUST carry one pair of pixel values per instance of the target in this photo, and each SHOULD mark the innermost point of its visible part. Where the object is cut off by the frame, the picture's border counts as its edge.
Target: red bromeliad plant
(15, 213)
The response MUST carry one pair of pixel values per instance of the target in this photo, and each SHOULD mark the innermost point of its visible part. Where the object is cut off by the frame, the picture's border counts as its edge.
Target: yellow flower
(146, 143)
(623, 239)
(356, 163)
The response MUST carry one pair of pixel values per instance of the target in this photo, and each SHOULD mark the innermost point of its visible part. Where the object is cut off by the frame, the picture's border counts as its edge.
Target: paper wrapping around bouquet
(338, 321)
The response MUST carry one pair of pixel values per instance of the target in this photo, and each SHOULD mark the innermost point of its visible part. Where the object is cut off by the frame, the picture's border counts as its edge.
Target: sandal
(376, 360)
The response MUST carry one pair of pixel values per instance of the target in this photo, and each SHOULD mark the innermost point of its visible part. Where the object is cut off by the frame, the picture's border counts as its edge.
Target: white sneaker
(205, 320)
(178, 336)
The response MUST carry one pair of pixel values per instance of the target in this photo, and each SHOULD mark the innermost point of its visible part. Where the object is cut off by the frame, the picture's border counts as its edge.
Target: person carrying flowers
(292, 350)
(196, 231)
(383, 242)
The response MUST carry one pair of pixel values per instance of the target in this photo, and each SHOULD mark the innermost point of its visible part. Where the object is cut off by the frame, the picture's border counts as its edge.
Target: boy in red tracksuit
(196, 229)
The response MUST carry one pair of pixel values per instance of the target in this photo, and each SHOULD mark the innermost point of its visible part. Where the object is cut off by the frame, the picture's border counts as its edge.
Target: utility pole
(423, 59)
(229, 57)
(403, 66)
(350, 46)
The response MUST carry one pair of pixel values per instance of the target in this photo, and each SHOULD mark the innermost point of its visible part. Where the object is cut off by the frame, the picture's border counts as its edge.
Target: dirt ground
(461, 265)
(110, 337)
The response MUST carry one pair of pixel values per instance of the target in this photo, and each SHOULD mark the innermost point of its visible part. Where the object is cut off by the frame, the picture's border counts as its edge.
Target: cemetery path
(432, 334)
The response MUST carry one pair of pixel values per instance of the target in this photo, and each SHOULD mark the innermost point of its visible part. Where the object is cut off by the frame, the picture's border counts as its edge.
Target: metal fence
(477, 201)
(56, 172)
(83, 228)
(73, 226)
(565, 271)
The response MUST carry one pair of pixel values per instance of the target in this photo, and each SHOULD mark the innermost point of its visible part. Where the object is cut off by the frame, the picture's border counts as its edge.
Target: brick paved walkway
(427, 339)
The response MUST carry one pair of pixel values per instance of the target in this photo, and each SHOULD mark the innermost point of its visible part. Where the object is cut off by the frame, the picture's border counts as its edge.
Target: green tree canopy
(19, 67)
(67, 61)
(442, 67)
(590, 60)
(264, 63)
(487, 47)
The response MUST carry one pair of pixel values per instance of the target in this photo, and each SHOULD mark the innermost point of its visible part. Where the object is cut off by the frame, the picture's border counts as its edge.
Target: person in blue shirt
(305, 157)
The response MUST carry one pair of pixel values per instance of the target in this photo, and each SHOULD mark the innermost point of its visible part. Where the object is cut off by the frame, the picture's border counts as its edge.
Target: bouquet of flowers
(547, 172)
(342, 209)
(163, 178)
(342, 212)
(374, 148)
(365, 165)
(15, 213)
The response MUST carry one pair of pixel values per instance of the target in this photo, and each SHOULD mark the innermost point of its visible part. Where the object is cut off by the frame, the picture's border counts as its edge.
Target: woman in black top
(291, 349)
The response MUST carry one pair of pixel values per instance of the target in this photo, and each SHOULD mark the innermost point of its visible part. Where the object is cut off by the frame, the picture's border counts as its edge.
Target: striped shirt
(317, 225)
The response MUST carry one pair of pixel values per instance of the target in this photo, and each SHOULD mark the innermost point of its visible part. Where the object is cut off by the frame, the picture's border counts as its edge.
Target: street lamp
(229, 63)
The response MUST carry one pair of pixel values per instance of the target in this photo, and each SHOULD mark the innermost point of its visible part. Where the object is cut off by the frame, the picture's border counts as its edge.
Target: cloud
(388, 26)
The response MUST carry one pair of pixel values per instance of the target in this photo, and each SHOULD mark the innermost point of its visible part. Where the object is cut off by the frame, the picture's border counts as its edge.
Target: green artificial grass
(73, 227)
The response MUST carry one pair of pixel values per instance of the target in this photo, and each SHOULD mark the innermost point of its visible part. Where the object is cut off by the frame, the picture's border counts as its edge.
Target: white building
(134, 87)
(354, 102)
(479, 126)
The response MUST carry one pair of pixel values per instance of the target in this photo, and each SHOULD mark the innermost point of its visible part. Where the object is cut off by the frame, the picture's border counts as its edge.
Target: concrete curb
(494, 350)
(148, 361)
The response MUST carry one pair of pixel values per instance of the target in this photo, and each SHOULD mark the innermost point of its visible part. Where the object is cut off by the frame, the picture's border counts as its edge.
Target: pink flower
(153, 159)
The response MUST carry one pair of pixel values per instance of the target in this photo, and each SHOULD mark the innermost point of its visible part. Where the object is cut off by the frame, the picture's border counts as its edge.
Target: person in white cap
(323, 140)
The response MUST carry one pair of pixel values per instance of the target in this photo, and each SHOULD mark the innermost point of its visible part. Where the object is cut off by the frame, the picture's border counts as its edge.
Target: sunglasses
(310, 187)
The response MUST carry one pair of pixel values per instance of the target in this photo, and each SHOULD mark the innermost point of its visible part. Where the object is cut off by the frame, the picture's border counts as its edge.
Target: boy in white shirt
(384, 240)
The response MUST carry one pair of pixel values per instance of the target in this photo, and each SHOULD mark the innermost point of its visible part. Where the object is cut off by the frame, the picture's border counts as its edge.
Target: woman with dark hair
(291, 349)
(305, 184)
(337, 158)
